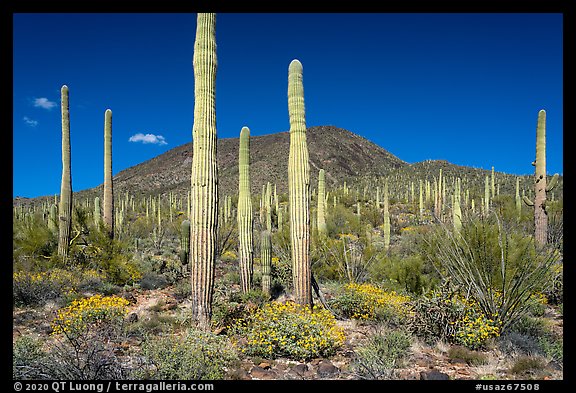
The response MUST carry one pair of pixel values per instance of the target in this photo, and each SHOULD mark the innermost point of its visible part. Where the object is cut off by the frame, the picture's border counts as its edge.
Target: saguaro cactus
(518, 200)
(108, 187)
(53, 219)
(266, 260)
(456, 210)
(184, 241)
(65, 208)
(244, 217)
(299, 188)
(204, 179)
(97, 212)
(540, 186)
(321, 211)
(386, 225)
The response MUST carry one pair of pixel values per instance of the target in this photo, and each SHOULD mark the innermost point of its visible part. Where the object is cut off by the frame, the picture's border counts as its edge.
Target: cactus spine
(65, 208)
(244, 217)
(321, 211)
(299, 188)
(540, 187)
(108, 188)
(204, 180)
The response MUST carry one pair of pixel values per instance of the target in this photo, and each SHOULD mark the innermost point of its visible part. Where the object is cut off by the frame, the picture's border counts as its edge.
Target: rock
(260, 373)
(300, 369)
(433, 376)
(132, 317)
(326, 369)
(265, 365)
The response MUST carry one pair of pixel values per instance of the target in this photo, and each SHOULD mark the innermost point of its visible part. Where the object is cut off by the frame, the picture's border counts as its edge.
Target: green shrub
(151, 280)
(472, 358)
(381, 354)
(291, 330)
(528, 364)
(196, 355)
(28, 358)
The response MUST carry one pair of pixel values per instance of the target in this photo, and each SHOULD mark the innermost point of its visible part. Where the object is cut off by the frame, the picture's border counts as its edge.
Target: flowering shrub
(368, 302)
(81, 314)
(475, 328)
(448, 316)
(292, 330)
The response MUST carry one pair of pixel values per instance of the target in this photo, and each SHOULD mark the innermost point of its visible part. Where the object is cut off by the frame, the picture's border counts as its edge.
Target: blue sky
(466, 88)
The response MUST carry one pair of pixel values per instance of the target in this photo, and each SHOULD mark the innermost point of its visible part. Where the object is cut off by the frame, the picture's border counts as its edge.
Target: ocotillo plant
(184, 241)
(299, 188)
(540, 186)
(108, 187)
(65, 208)
(321, 211)
(245, 220)
(204, 178)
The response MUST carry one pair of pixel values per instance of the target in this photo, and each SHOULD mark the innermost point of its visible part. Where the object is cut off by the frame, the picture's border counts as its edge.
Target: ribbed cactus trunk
(204, 184)
(486, 206)
(321, 211)
(109, 221)
(386, 213)
(97, 212)
(456, 210)
(184, 241)
(540, 184)
(53, 219)
(518, 200)
(299, 188)
(65, 208)
(266, 260)
(244, 217)
(268, 206)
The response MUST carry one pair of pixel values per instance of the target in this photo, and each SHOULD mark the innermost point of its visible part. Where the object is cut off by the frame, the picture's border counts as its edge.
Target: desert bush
(33, 239)
(197, 355)
(151, 280)
(472, 358)
(291, 330)
(84, 337)
(368, 302)
(499, 268)
(446, 315)
(410, 273)
(382, 353)
(28, 359)
(527, 364)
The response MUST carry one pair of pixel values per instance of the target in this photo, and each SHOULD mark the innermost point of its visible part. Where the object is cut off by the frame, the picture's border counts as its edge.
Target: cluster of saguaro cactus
(540, 186)
(65, 209)
(299, 188)
(109, 221)
(204, 180)
(244, 216)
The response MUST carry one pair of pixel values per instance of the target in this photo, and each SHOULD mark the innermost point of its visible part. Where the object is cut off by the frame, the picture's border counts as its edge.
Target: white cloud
(30, 122)
(44, 103)
(148, 138)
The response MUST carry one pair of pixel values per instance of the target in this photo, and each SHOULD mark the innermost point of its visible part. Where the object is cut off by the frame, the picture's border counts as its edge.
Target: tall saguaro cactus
(386, 214)
(65, 208)
(321, 211)
(204, 179)
(299, 188)
(108, 187)
(540, 186)
(244, 217)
